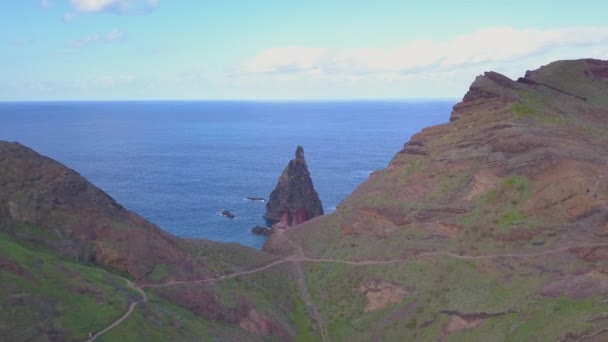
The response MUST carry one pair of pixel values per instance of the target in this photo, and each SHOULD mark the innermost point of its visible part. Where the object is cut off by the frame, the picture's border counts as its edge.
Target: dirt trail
(448, 254)
(593, 335)
(127, 314)
(307, 299)
(297, 246)
(301, 277)
(303, 288)
(224, 277)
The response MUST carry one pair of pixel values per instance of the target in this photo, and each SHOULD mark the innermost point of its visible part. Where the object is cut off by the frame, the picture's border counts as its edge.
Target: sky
(282, 50)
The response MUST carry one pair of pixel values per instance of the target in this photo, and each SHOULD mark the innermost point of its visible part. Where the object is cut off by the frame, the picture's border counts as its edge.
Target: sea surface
(179, 164)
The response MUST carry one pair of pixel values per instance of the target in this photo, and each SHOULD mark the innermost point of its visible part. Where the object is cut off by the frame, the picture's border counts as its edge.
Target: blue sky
(182, 49)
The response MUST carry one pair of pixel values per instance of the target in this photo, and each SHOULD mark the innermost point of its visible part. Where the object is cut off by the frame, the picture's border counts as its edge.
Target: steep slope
(495, 224)
(70, 215)
(45, 298)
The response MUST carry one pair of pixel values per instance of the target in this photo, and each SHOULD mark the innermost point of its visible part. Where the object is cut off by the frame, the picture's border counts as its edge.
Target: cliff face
(294, 200)
(507, 201)
(517, 160)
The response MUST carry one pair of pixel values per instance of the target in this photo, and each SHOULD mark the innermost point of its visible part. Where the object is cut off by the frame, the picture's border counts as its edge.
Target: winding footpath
(144, 298)
(301, 257)
(314, 312)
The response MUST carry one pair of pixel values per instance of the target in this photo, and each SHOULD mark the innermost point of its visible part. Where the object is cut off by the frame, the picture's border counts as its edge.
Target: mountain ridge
(520, 167)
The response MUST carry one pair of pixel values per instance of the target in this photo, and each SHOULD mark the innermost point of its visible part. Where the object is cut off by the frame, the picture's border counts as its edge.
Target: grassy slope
(447, 284)
(49, 296)
(512, 285)
(158, 320)
(47, 302)
(273, 293)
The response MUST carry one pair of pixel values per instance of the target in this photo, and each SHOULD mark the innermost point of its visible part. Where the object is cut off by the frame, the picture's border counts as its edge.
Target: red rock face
(301, 216)
(602, 72)
(284, 222)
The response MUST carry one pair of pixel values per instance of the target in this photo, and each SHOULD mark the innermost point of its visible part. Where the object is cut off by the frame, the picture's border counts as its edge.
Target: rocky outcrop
(256, 199)
(294, 200)
(259, 230)
(228, 214)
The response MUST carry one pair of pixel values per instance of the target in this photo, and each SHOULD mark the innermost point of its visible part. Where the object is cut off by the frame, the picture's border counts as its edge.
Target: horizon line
(380, 99)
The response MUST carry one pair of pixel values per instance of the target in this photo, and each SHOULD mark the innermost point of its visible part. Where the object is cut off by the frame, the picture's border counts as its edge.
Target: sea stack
(294, 200)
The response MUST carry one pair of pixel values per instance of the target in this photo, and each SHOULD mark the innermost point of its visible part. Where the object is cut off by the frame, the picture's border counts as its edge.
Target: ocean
(179, 164)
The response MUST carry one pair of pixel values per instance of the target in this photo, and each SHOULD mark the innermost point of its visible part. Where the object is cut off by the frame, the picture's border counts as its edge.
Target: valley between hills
(492, 227)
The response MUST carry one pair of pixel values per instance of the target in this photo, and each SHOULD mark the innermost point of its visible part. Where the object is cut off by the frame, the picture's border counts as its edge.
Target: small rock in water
(259, 230)
(228, 214)
(260, 199)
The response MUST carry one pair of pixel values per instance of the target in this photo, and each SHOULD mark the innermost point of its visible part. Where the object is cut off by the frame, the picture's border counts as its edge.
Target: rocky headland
(502, 214)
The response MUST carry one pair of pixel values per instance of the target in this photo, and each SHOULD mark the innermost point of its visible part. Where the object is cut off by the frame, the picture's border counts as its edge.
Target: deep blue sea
(179, 164)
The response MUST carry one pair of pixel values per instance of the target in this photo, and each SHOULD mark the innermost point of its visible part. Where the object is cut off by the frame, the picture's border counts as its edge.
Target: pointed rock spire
(300, 154)
(294, 200)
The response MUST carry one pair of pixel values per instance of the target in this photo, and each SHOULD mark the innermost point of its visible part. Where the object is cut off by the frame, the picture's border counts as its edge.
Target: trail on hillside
(224, 277)
(593, 335)
(301, 277)
(298, 247)
(303, 289)
(307, 299)
(448, 254)
(144, 298)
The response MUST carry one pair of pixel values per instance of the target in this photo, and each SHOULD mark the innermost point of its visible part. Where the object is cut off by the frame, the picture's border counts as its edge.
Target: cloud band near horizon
(488, 45)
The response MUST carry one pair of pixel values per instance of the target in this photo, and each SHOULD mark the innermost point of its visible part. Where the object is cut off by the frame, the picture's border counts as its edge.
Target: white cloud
(45, 3)
(109, 37)
(492, 45)
(287, 59)
(114, 6)
(92, 5)
(68, 17)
